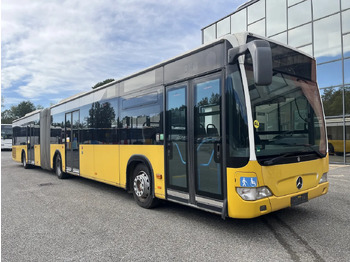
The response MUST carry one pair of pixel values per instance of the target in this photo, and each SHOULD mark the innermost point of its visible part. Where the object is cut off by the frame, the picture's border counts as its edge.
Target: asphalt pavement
(47, 219)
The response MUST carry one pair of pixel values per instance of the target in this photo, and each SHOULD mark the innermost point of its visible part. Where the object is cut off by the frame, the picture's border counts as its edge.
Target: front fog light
(323, 178)
(253, 193)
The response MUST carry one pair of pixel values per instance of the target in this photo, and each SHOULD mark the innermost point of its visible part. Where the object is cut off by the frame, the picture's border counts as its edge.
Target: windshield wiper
(313, 150)
(277, 158)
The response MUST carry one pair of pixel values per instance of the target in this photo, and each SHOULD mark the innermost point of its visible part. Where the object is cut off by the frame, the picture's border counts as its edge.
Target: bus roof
(234, 39)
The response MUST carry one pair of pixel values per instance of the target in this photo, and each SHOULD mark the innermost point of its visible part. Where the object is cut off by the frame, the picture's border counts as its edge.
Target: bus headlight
(253, 193)
(323, 178)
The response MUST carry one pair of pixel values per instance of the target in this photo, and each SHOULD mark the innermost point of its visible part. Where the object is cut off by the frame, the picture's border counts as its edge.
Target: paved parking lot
(47, 219)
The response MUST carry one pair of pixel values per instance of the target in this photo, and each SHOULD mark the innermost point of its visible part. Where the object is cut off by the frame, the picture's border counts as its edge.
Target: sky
(53, 49)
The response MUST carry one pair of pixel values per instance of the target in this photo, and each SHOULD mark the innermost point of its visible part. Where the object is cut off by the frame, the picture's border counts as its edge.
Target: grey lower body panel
(204, 203)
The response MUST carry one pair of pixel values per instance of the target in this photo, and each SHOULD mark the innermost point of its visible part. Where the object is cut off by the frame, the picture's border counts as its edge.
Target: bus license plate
(297, 200)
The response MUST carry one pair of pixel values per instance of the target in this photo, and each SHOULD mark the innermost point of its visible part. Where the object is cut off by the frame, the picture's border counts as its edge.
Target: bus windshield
(6, 132)
(287, 114)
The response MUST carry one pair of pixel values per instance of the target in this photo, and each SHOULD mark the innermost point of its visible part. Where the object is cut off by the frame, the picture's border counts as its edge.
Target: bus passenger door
(176, 142)
(194, 143)
(207, 130)
(72, 141)
(31, 141)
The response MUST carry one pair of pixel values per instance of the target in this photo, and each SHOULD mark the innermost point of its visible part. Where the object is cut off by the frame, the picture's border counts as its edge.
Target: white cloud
(58, 48)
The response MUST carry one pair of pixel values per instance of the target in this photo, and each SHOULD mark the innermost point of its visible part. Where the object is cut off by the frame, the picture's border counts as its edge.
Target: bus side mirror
(260, 51)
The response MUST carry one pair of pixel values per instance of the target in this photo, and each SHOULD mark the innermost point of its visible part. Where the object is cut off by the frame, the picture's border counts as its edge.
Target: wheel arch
(133, 161)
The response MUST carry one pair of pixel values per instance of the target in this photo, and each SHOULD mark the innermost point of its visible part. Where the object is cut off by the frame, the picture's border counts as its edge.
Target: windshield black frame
(287, 114)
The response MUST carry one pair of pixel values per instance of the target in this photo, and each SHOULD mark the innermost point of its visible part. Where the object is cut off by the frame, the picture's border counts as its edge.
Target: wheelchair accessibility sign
(249, 182)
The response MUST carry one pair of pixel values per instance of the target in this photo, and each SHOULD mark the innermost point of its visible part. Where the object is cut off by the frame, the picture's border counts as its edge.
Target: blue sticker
(249, 182)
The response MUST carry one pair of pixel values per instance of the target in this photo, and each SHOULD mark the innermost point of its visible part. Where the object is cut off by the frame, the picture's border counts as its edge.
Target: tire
(58, 168)
(24, 162)
(142, 187)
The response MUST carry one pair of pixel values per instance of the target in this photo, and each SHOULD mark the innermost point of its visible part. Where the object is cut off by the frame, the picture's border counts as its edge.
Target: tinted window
(237, 122)
(101, 119)
(141, 120)
(57, 128)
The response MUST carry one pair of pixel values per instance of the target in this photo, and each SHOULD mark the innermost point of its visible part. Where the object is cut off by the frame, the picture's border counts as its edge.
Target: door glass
(177, 137)
(75, 139)
(31, 142)
(207, 137)
(68, 141)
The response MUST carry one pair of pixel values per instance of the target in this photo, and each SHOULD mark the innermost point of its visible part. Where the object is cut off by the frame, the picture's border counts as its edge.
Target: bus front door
(194, 143)
(72, 141)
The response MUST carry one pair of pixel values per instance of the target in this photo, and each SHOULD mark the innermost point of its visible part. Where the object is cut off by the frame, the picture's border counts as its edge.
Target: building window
(323, 8)
(345, 4)
(347, 71)
(257, 28)
(346, 45)
(329, 74)
(299, 14)
(300, 36)
(280, 37)
(347, 101)
(223, 27)
(276, 16)
(209, 34)
(293, 2)
(327, 44)
(239, 22)
(307, 49)
(256, 11)
(332, 101)
(346, 21)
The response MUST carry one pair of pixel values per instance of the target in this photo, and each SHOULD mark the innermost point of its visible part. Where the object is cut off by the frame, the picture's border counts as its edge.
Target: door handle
(170, 150)
(217, 152)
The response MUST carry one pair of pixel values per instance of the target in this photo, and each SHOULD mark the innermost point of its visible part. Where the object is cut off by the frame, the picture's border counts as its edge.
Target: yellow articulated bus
(235, 127)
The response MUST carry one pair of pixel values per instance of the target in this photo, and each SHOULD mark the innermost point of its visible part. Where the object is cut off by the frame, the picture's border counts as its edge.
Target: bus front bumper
(250, 209)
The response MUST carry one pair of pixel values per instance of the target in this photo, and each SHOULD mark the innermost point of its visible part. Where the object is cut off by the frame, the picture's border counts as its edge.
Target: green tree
(7, 117)
(22, 109)
(103, 83)
(15, 112)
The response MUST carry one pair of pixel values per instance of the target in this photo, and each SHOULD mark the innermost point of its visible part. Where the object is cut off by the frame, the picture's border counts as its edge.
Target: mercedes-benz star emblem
(299, 182)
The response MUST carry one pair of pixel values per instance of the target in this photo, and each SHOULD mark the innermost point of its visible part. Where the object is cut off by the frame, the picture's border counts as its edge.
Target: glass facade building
(320, 28)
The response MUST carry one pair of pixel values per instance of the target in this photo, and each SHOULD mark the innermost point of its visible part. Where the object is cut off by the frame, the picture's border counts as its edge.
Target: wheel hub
(142, 185)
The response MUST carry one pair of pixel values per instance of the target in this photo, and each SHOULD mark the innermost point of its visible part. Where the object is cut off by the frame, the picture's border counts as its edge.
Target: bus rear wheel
(58, 168)
(142, 187)
(24, 161)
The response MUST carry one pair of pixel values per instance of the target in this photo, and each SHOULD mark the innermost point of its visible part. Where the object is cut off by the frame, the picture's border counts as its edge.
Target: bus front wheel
(142, 187)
